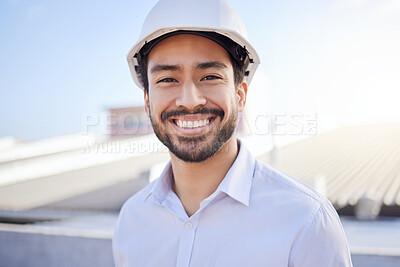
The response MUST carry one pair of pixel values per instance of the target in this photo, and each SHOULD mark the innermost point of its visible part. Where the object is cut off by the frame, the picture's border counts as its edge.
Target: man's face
(192, 100)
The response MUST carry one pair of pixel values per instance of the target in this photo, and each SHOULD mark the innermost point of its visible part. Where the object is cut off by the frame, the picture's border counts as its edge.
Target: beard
(196, 149)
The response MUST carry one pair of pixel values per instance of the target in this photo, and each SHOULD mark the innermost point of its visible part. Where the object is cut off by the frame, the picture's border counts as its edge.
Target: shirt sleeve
(322, 242)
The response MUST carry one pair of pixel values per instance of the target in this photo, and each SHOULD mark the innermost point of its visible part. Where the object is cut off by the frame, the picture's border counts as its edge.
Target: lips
(191, 124)
(193, 121)
(186, 115)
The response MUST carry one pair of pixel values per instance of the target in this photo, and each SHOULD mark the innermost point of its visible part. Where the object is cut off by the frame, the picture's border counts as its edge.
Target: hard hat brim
(132, 59)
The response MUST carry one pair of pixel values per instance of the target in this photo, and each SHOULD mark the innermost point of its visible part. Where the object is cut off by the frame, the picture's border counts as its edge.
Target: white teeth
(192, 124)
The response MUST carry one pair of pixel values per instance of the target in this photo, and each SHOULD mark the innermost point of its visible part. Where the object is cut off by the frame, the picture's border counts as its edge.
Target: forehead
(187, 47)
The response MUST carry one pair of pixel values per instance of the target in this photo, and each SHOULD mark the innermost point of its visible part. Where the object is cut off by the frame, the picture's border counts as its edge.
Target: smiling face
(192, 100)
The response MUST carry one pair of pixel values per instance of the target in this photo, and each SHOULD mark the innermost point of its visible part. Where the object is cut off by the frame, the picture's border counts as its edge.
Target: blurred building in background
(129, 121)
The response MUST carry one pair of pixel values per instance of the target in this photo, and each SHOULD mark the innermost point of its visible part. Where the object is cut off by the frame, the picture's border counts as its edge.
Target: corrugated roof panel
(355, 161)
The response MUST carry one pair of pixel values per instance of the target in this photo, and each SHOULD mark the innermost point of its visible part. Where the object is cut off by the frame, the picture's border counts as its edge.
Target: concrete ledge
(371, 260)
(79, 239)
(38, 250)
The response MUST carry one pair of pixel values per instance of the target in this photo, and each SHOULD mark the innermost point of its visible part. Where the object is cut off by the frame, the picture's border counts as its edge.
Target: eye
(210, 77)
(166, 80)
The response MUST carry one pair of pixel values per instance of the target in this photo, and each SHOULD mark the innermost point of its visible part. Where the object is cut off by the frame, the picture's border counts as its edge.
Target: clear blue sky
(63, 60)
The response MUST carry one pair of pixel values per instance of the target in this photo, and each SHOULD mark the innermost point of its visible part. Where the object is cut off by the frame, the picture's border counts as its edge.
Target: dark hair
(238, 72)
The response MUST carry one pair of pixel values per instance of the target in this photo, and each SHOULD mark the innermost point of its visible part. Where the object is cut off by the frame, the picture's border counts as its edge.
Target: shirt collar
(238, 180)
(162, 185)
(236, 184)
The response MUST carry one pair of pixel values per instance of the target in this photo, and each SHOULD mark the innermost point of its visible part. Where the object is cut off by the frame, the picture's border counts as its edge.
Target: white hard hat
(214, 19)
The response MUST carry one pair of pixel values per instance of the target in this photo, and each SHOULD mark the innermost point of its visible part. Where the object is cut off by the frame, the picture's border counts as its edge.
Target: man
(214, 204)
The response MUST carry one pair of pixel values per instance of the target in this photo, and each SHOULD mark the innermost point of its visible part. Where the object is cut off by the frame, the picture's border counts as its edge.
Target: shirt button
(188, 226)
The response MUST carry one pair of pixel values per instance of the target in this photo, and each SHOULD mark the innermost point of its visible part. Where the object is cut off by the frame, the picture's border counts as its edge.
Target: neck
(193, 182)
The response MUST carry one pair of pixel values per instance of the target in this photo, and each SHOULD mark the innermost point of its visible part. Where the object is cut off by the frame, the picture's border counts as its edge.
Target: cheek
(159, 103)
(227, 99)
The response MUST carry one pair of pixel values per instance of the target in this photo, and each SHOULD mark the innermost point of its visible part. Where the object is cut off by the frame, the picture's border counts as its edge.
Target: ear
(241, 95)
(146, 102)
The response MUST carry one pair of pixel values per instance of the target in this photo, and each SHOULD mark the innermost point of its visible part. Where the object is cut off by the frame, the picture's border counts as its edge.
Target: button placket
(186, 243)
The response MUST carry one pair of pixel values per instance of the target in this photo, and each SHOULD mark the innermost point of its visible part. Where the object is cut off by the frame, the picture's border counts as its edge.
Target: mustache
(182, 111)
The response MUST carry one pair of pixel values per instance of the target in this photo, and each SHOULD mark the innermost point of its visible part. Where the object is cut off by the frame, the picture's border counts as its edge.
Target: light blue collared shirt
(258, 216)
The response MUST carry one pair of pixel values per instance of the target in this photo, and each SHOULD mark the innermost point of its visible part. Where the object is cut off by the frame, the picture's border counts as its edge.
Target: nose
(190, 96)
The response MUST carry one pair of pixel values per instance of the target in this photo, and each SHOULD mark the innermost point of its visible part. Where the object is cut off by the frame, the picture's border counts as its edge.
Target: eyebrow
(211, 64)
(204, 65)
(164, 67)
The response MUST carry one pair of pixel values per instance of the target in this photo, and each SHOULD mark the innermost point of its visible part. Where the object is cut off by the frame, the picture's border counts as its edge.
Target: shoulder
(317, 222)
(139, 199)
(131, 221)
(271, 179)
(287, 195)
(136, 207)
